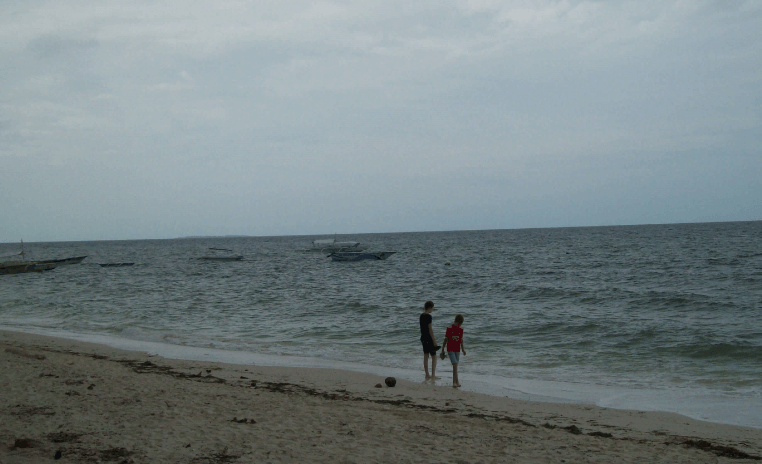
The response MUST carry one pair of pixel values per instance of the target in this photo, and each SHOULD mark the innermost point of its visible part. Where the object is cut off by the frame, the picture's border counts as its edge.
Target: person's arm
(431, 333)
(444, 343)
(462, 346)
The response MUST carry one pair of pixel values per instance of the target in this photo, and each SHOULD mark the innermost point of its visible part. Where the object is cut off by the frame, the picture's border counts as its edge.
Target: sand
(89, 403)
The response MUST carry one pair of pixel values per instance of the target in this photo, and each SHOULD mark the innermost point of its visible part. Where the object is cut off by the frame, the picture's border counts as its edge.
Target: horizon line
(192, 237)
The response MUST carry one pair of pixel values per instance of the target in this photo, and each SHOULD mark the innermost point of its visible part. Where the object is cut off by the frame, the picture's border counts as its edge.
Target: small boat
(222, 258)
(115, 264)
(359, 255)
(331, 246)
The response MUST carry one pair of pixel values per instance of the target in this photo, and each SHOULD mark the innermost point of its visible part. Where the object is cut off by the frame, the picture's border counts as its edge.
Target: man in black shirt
(428, 341)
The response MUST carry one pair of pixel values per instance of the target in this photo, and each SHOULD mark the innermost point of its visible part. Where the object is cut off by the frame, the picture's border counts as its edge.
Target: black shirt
(425, 321)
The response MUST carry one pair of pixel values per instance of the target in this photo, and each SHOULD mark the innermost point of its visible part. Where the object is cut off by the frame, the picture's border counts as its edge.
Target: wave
(669, 300)
(531, 293)
(750, 255)
(726, 351)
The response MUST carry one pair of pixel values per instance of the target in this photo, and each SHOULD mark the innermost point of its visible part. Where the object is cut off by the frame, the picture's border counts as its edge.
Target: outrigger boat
(23, 265)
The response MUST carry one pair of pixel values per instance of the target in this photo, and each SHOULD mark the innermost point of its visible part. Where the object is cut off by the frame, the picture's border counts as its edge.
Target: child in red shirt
(454, 342)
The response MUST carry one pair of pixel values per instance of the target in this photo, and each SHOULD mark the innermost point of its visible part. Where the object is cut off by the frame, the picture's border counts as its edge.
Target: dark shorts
(428, 347)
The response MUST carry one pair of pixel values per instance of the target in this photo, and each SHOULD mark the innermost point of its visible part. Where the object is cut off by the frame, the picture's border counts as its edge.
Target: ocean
(652, 317)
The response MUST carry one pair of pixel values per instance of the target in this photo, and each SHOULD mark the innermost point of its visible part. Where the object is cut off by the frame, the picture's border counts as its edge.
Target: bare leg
(426, 364)
(455, 382)
(434, 366)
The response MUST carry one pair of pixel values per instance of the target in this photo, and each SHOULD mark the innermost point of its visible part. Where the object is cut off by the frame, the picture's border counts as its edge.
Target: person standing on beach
(454, 342)
(427, 339)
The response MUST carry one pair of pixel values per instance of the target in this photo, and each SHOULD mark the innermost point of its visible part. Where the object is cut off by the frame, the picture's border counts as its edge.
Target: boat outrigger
(58, 262)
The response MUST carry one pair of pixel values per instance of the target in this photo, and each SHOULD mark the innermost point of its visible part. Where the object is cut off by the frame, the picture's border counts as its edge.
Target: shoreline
(695, 404)
(96, 403)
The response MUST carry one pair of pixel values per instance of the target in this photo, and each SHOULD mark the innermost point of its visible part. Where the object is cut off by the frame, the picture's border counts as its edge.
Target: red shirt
(454, 336)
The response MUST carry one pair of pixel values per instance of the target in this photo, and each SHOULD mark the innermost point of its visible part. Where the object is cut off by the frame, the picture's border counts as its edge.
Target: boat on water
(332, 246)
(360, 255)
(17, 263)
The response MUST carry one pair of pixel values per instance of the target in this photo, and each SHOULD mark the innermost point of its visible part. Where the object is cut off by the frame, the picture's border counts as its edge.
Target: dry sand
(90, 403)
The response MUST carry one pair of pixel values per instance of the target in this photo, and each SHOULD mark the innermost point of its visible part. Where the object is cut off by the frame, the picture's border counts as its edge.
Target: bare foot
(435, 377)
(456, 385)
(428, 377)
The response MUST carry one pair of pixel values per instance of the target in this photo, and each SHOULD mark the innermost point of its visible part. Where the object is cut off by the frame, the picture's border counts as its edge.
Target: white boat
(359, 255)
(331, 246)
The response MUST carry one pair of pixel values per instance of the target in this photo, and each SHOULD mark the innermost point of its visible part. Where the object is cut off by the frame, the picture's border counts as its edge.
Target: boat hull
(22, 267)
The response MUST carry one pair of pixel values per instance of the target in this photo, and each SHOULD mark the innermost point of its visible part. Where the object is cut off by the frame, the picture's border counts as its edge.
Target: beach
(88, 403)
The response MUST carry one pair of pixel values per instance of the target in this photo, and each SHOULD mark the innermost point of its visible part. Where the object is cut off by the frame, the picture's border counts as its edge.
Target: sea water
(656, 317)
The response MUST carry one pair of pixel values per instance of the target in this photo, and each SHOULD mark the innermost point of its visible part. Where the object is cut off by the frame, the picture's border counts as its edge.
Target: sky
(160, 119)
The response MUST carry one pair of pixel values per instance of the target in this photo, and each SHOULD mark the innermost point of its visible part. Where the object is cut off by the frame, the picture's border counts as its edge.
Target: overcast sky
(158, 119)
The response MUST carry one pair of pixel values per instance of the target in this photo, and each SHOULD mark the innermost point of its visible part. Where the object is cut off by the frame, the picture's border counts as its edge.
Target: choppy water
(662, 317)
